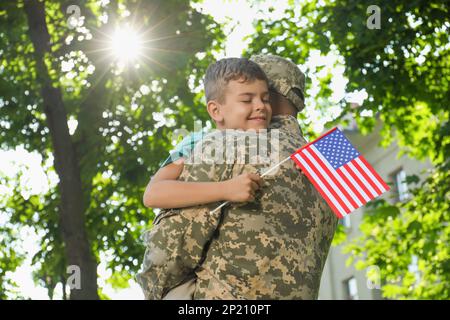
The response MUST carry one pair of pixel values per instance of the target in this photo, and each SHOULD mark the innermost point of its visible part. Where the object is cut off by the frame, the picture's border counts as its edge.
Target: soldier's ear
(214, 111)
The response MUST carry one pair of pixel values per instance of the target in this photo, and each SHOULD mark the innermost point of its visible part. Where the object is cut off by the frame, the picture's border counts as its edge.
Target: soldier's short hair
(220, 73)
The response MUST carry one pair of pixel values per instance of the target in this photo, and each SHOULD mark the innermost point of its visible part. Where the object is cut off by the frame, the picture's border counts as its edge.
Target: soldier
(274, 247)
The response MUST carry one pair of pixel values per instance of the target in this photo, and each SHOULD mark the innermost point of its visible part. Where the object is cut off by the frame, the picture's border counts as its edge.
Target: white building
(341, 282)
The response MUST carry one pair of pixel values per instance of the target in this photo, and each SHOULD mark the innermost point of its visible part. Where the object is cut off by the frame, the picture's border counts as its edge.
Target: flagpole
(264, 174)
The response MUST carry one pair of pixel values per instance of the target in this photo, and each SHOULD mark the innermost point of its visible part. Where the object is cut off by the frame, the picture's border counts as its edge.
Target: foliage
(124, 117)
(404, 68)
(395, 235)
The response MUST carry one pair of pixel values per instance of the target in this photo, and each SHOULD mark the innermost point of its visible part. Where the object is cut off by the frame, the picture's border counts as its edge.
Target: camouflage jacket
(272, 248)
(276, 246)
(176, 242)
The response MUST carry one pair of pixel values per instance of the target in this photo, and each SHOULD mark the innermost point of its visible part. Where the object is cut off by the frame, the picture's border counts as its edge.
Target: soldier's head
(237, 94)
(286, 83)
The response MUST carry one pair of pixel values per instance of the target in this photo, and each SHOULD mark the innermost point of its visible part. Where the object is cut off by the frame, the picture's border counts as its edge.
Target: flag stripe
(362, 189)
(324, 179)
(336, 178)
(375, 175)
(370, 176)
(365, 175)
(319, 186)
(352, 186)
(341, 185)
(361, 180)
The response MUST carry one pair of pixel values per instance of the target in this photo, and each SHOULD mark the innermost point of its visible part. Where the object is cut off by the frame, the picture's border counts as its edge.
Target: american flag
(339, 172)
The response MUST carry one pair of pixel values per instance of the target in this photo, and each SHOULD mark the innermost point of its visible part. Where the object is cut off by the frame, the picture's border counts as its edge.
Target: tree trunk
(72, 209)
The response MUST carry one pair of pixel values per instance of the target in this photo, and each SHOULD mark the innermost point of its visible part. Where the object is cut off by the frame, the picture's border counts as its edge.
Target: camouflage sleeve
(175, 244)
(202, 166)
(274, 247)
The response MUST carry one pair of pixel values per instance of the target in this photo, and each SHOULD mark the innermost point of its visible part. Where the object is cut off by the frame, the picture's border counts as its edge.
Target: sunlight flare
(126, 45)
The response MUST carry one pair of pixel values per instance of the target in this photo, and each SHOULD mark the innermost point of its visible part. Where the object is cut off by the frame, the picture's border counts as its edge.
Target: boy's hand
(243, 187)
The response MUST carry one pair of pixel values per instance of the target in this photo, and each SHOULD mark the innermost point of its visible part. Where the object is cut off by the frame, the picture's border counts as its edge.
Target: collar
(286, 122)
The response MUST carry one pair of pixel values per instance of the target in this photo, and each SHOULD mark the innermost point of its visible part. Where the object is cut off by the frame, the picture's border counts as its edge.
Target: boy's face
(246, 106)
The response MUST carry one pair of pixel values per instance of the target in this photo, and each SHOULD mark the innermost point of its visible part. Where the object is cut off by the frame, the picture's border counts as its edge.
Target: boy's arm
(165, 191)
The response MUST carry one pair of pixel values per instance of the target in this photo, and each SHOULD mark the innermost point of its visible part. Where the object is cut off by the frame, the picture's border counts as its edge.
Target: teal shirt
(184, 148)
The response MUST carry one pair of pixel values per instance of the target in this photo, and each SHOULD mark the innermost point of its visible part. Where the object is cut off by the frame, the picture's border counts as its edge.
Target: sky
(237, 16)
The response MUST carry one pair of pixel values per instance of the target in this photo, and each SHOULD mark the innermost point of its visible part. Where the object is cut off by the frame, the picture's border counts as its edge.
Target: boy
(237, 98)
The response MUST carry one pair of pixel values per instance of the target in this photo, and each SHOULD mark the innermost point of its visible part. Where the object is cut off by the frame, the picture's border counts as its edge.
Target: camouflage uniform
(272, 248)
(175, 243)
(276, 246)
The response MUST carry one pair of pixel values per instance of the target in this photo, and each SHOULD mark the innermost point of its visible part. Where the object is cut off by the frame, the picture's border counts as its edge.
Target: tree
(404, 67)
(9, 259)
(55, 68)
